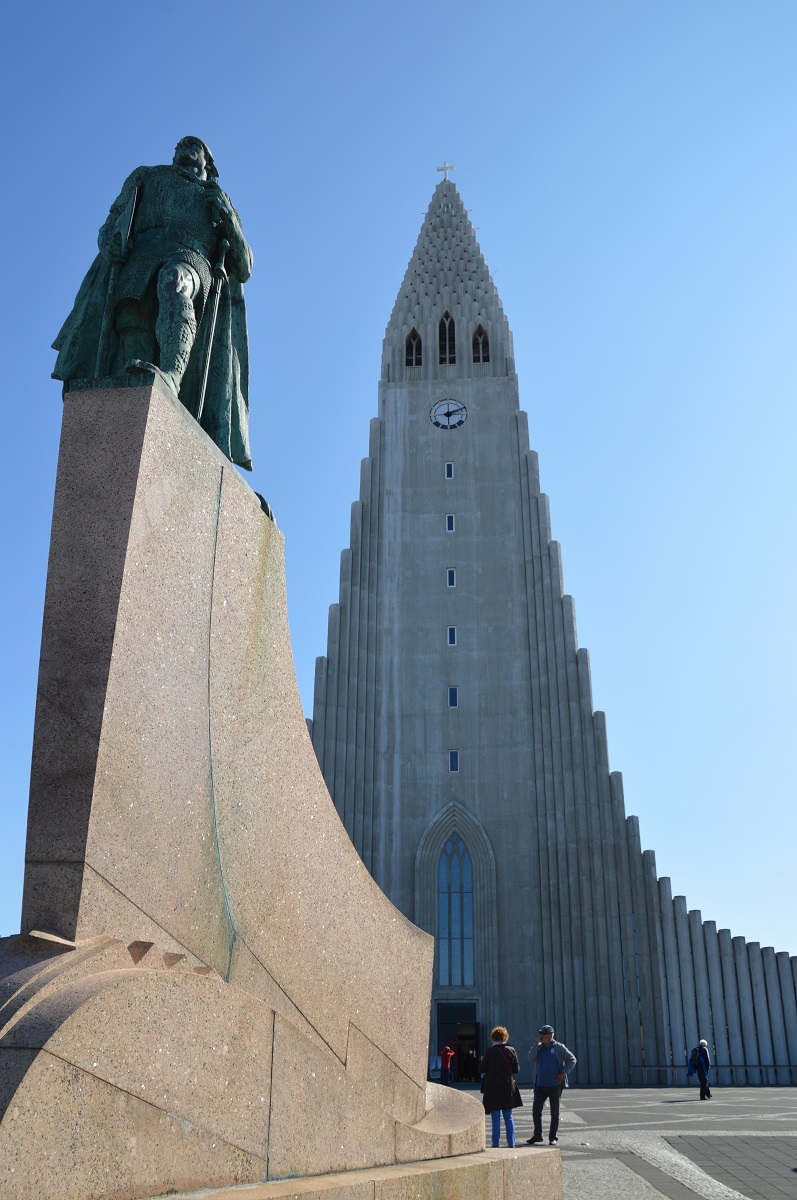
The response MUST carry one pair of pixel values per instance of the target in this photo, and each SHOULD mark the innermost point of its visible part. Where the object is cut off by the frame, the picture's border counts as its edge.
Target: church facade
(454, 726)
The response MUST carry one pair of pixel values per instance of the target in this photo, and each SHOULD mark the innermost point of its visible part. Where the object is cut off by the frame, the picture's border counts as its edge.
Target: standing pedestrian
(700, 1060)
(500, 1091)
(553, 1062)
(446, 1055)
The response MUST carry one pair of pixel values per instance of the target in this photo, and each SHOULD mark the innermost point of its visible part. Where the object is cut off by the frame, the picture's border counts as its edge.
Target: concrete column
(534, 466)
(573, 938)
(611, 869)
(661, 1015)
(360, 715)
(776, 1015)
(687, 972)
(641, 957)
(746, 1009)
(763, 1024)
(342, 679)
(633, 1020)
(789, 999)
(577, 864)
(717, 999)
(330, 730)
(549, 969)
(732, 1013)
(705, 1026)
(678, 1050)
(588, 883)
(373, 709)
(316, 728)
(580, 792)
(350, 692)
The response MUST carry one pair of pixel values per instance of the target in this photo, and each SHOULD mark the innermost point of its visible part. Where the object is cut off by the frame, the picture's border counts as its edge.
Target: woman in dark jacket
(501, 1093)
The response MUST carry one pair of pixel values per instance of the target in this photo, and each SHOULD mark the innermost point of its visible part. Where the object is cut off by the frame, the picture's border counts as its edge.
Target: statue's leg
(175, 328)
(135, 328)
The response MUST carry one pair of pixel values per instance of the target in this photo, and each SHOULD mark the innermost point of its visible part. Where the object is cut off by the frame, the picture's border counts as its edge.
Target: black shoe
(553, 1141)
(532, 1141)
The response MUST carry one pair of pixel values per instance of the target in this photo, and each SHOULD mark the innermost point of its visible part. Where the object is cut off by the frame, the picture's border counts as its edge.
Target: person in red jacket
(446, 1074)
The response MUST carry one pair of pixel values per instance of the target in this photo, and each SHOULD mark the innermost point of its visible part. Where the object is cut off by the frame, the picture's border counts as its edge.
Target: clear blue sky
(630, 167)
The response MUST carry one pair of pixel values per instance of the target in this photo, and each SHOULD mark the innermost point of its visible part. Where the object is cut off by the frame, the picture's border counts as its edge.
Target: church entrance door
(458, 1028)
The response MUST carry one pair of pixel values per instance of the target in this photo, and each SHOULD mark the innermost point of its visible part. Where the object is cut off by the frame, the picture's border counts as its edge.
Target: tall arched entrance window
(455, 915)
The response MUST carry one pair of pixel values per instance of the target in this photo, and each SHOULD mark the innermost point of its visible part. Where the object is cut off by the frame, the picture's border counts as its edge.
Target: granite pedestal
(209, 988)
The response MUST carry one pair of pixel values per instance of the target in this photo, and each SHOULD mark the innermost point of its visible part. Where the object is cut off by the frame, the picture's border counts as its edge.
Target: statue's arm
(239, 256)
(105, 236)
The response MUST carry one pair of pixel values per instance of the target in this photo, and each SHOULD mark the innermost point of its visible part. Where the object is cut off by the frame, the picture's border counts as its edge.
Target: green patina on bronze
(164, 296)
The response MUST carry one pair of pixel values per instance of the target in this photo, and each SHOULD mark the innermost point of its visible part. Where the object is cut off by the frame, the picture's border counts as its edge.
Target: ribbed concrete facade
(454, 725)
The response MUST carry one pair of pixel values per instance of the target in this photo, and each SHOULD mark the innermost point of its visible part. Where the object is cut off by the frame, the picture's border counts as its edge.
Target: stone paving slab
(637, 1144)
(760, 1168)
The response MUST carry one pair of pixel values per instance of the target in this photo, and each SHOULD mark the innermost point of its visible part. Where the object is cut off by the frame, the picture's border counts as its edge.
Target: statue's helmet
(210, 166)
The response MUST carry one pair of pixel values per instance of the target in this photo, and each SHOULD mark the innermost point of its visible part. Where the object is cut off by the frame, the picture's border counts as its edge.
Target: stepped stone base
(521, 1174)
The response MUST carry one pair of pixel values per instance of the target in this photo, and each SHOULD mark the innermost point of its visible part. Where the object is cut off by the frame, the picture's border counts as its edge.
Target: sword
(219, 278)
(101, 365)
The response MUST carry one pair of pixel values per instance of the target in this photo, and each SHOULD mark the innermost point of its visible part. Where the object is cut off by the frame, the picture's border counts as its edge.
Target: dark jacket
(498, 1066)
(700, 1060)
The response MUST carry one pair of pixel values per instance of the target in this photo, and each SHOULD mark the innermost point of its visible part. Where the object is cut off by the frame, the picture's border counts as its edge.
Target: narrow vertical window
(451, 577)
(453, 697)
(455, 915)
(449, 522)
(481, 346)
(449, 470)
(453, 761)
(413, 356)
(448, 353)
(452, 635)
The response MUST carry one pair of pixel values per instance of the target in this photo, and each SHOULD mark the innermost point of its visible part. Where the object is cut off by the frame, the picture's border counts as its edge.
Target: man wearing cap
(553, 1063)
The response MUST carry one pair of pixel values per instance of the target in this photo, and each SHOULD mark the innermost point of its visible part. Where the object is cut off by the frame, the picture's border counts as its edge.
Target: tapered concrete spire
(446, 277)
(454, 725)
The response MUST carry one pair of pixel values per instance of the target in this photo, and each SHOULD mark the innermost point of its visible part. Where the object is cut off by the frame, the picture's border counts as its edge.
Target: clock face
(448, 414)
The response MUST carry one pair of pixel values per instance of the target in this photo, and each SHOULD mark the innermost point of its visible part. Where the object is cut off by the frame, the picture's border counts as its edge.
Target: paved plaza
(663, 1142)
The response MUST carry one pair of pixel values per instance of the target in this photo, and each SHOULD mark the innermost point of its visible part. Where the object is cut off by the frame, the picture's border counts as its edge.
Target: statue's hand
(219, 206)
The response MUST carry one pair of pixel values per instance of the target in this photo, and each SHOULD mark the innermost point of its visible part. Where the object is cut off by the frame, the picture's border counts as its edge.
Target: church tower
(454, 726)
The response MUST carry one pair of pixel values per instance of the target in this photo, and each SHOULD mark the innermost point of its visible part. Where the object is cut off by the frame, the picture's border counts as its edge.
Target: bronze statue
(164, 296)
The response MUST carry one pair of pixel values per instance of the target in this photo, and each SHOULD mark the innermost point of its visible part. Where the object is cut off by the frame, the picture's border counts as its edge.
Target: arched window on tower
(413, 349)
(455, 915)
(481, 346)
(448, 354)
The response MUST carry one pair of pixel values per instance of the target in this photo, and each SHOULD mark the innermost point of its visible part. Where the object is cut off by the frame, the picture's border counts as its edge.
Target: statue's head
(193, 154)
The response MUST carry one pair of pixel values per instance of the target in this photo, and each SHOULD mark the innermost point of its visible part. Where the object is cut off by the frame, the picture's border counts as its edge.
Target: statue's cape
(225, 415)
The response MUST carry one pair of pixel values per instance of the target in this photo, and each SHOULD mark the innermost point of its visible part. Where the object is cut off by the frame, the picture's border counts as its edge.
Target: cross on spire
(445, 169)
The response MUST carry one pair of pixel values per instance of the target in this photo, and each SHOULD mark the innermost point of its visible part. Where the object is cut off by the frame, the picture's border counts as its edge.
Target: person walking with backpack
(500, 1091)
(553, 1062)
(700, 1064)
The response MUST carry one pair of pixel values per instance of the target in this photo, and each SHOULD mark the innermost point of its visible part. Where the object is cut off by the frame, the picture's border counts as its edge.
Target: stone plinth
(521, 1174)
(210, 988)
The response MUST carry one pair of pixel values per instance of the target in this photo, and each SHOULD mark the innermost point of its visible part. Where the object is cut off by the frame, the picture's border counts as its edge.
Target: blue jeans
(509, 1122)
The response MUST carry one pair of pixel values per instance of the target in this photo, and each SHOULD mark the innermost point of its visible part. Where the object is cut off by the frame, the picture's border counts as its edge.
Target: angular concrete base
(520, 1174)
(210, 988)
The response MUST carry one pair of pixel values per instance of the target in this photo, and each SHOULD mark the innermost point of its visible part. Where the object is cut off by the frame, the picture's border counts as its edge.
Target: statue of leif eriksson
(164, 296)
